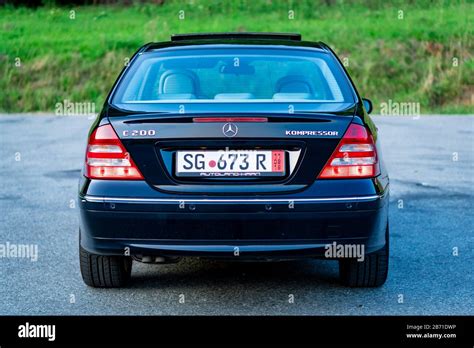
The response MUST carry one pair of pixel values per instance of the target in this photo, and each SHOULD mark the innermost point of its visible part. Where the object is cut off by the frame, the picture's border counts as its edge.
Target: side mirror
(367, 105)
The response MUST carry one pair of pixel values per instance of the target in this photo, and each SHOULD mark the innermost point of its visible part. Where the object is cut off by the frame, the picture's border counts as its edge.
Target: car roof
(259, 39)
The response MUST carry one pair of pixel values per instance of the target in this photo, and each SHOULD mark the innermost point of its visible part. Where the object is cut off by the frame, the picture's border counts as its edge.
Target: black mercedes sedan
(243, 146)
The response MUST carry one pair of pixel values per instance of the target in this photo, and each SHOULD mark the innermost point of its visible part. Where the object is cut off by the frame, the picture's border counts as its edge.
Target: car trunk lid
(305, 142)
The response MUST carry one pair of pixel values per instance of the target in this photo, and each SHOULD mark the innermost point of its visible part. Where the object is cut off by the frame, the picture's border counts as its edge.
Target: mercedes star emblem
(230, 130)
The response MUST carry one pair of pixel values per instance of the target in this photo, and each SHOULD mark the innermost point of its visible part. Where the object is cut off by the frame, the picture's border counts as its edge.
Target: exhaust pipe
(155, 259)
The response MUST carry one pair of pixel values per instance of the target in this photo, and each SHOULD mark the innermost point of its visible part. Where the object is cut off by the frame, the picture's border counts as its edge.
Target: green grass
(405, 60)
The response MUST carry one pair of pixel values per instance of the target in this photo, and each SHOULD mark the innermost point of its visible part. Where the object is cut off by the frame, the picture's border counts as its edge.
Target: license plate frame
(218, 163)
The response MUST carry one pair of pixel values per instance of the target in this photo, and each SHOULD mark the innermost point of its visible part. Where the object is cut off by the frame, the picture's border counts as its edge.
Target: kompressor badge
(311, 133)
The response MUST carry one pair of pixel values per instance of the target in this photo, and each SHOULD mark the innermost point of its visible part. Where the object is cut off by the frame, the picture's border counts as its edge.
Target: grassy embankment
(404, 60)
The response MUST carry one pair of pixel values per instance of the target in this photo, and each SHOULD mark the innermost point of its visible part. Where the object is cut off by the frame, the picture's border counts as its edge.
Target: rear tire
(371, 272)
(104, 271)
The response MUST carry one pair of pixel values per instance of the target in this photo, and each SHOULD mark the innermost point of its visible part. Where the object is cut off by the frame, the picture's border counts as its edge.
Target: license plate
(230, 163)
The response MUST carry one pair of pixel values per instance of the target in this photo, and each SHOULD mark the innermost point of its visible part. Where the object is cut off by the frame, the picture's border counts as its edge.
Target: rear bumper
(273, 227)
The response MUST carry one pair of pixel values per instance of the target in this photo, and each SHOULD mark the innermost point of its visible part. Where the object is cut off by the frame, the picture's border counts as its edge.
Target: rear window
(233, 75)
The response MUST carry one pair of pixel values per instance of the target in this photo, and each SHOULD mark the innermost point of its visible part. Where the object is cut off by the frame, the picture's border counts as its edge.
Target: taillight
(106, 158)
(354, 157)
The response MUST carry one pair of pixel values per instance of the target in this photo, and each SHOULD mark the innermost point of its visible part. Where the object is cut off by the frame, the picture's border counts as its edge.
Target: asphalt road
(41, 157)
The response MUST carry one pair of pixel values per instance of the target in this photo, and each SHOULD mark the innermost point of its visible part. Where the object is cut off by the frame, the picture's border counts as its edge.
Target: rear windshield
(233, 75)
